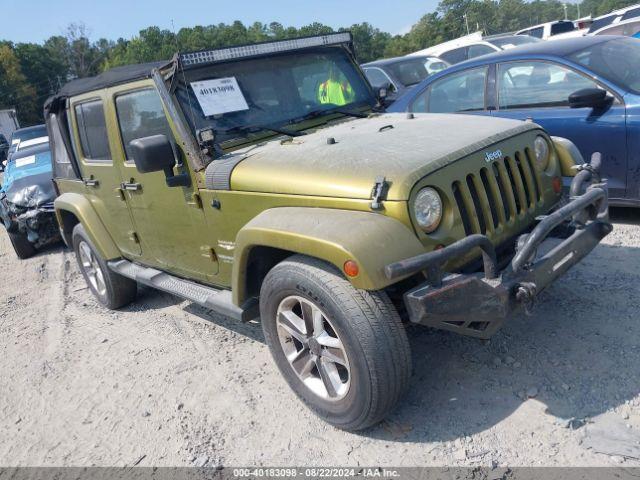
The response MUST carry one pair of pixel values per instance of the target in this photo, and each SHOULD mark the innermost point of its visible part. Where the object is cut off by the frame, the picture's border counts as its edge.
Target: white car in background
(553, 30)
(474, 45)
(625, 21)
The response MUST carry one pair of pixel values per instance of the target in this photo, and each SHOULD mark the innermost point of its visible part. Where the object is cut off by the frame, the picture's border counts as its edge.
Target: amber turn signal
(351, 268)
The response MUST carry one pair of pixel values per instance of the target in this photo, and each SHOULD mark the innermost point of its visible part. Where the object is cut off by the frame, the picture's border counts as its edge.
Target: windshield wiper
(320, 113)
(255, 128)
(348, 112)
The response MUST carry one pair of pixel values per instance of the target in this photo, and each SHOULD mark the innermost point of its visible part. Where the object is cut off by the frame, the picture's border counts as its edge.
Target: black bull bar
(477, 304)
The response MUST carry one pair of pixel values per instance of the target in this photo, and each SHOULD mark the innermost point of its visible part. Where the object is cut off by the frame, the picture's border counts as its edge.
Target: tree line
(30, 72)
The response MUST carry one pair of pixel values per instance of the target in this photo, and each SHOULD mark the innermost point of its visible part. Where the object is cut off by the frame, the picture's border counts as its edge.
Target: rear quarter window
(92, 130)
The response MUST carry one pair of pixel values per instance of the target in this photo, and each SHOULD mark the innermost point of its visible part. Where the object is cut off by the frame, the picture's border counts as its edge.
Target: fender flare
(568, 155)
(79, 206)
(371, 239)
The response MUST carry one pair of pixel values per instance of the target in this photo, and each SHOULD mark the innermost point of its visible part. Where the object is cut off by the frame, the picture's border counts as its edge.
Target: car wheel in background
(21, 244)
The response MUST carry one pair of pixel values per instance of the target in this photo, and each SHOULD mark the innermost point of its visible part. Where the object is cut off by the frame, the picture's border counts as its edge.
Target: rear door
(169, 221)
(540, 90)
(100, 174)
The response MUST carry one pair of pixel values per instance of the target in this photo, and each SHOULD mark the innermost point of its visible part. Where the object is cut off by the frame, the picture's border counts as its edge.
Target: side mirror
(384, 93)
(589, 98)
(155, 154)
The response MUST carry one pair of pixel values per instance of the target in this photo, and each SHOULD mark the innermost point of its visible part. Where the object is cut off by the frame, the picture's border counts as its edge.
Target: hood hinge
(379, 193)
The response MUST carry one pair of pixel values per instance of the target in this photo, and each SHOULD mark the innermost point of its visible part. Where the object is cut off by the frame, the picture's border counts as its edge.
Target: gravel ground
(164, 382)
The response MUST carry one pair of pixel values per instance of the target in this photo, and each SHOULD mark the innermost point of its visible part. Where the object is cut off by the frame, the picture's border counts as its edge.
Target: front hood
(31, 191)
(401, 149)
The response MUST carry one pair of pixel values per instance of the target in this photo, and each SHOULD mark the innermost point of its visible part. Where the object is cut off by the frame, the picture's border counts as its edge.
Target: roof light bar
(231, 53)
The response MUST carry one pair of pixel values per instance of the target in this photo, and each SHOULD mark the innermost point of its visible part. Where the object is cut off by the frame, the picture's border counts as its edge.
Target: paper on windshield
(21, 162)
(220, 95)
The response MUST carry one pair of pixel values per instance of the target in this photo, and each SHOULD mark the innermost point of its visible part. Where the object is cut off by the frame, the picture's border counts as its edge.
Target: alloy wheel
(313, 348)
(92, 268)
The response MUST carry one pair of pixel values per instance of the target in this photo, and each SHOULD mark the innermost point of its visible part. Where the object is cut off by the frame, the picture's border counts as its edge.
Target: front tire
(21, 245)
(343, 351)
(111, 289)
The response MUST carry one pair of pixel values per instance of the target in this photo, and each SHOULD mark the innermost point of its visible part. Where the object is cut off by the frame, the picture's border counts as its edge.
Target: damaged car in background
(26, 200)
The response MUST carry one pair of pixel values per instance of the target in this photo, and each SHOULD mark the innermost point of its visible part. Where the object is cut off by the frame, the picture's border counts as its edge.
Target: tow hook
(526, 294)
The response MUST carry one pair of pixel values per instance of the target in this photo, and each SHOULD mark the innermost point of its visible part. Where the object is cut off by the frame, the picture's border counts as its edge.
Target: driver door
(540, 90)
(169, 221)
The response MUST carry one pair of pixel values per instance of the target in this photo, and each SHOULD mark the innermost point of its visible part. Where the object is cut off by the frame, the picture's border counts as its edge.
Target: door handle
(131, 186)
(91, 182)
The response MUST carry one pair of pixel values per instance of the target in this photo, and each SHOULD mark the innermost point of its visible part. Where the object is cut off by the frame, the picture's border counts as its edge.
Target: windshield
(238, 97)
(409, 72)
(25, 166)
(512, 41)
(29, 161)
(29, 133)
(616, 60)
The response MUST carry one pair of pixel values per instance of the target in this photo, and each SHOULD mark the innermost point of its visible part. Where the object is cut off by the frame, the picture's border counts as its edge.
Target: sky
(37, 20)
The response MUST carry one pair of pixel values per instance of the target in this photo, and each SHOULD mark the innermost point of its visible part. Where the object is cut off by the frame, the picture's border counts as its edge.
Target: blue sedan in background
(585, 89)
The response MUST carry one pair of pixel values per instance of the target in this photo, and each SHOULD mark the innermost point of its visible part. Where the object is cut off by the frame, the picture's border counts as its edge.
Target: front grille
(498, 193)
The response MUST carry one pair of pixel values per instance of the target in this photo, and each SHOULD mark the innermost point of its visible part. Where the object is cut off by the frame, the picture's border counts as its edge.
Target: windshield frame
(183, 97)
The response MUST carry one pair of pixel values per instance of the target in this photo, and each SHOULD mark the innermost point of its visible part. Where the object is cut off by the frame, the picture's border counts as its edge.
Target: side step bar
(208, 297)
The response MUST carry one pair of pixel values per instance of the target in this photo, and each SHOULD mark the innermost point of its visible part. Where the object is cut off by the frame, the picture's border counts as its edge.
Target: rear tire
(111, 289)
(343, 351)
(21, 244)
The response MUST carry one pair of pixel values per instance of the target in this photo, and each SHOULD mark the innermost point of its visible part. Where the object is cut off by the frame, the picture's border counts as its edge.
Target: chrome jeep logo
(491, 156)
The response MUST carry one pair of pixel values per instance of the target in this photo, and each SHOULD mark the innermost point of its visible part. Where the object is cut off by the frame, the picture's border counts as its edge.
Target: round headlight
(428, 209)
(541, 149)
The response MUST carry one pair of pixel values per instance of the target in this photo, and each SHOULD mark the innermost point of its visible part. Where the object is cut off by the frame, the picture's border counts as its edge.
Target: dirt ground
(164, 382)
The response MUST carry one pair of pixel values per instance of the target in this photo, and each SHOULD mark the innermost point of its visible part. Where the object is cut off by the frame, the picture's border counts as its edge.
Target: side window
(460, 92)
(562, 27)
(140, 114)
(537, 84)
(456, 55)
(479, 50)
(629, 29)
(535, 32)
(92, 130)
(376, 77)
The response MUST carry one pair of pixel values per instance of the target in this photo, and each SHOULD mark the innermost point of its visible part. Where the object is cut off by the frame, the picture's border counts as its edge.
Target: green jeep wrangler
(267, 181)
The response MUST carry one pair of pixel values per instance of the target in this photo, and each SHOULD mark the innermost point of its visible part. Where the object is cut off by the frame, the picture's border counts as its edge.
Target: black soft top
(115, 76)
(63, 157)
(110, 78)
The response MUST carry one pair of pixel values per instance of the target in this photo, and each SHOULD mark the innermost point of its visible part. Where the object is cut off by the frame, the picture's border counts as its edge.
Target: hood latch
(379, 193)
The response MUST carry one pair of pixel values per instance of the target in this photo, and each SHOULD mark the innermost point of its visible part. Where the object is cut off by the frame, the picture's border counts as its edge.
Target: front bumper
(478, 304)
(39, 224)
